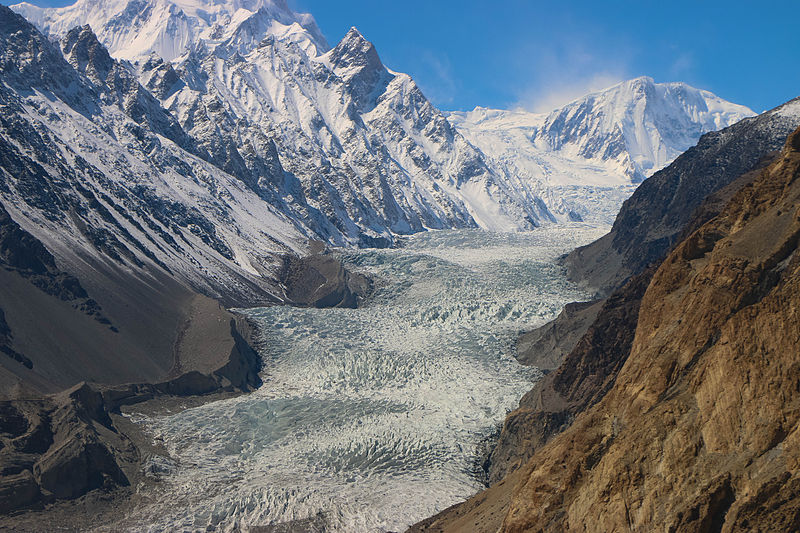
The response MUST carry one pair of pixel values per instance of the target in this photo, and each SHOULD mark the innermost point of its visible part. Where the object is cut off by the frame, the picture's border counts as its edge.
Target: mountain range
(585, 158)
(159, 157)
(353, 152)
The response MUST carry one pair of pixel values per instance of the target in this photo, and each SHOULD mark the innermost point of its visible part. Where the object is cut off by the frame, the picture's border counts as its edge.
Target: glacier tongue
(369, 419)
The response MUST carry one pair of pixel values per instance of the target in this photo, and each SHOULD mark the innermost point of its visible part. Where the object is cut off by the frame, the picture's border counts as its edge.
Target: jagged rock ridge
(350, 151)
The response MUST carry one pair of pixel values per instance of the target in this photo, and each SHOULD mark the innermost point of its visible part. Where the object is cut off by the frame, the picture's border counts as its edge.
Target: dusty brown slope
(584, 377)
(548, 345)
(588, 371)
(135, 334)
(701, 430)
(102, 323)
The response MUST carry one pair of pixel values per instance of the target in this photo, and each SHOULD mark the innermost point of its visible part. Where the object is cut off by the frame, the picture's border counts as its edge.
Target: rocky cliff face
(59, 447)
(546, 346)
(698, 429)
(592, 347)
(652, 218)
(584, 376)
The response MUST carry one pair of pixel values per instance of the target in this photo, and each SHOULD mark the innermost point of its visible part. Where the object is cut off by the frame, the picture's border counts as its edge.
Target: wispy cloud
(682, 65)
(564, 91)
(559, 75)
(437, 79)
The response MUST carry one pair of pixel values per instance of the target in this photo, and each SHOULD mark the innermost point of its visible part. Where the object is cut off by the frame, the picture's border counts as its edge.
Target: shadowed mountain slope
(653, 217)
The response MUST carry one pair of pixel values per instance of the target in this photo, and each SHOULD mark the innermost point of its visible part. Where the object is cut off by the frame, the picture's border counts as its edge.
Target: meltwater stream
(370, 419)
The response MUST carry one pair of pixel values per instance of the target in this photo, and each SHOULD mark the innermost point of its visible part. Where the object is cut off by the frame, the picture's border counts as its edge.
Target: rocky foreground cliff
(589, 342)
(699, 430)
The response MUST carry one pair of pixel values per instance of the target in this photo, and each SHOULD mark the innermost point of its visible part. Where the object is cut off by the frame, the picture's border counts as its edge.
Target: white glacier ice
(370, 419)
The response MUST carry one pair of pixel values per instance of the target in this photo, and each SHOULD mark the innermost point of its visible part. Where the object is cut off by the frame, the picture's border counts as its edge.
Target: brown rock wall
(700, 431)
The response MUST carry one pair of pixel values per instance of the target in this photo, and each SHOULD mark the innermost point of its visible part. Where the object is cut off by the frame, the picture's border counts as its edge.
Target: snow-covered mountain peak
(638, 124)
(584, 157)
(85, 53)
(352, 46)
(355, 60)
(134, 29)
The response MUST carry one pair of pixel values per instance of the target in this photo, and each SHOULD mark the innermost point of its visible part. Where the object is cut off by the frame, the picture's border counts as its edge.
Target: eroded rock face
(58, 447)
(647, 226)
(547, 346)
(18, 490)
(320, 280)
(700, 431)
(583, 378)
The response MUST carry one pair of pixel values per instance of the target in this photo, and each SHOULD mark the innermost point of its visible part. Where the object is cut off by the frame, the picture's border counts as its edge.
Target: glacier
(368, 419)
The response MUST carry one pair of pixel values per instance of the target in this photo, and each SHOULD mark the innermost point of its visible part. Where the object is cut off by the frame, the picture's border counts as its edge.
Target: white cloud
(561, 92)
(561, 74)
(682, 65)
(437, 80)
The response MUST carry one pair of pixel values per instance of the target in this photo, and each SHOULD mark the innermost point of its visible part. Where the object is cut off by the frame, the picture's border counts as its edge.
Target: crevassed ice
(370, 419)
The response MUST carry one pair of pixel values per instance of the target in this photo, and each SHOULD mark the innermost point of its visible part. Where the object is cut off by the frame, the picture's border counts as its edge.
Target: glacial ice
(370, 419)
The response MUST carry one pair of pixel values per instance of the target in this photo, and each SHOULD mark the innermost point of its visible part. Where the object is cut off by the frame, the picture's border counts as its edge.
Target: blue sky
(538, 55)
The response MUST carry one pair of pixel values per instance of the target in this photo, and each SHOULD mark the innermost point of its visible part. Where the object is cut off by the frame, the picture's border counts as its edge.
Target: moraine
(370, 419)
